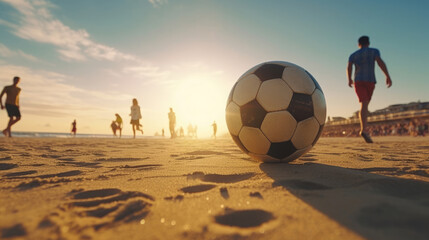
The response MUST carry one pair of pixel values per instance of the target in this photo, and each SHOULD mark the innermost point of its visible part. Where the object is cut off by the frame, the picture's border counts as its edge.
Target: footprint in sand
(7, 166)
(40, 180)
(244, 218)
(197, 188)
(6, 158)
(91, 210)
(17, 230)
(18, 174)
(219, 178)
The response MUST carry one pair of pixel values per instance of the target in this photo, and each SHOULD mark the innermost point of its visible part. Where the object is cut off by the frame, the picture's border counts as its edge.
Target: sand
(208, 189)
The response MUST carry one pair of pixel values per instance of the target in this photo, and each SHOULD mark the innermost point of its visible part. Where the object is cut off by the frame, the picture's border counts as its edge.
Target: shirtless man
(12, 105)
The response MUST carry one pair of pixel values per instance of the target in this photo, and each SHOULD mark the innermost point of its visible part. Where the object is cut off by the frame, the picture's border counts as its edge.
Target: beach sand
(208, 189)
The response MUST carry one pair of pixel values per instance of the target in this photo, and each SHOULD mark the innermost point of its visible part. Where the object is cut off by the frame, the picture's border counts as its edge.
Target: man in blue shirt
(364, 79)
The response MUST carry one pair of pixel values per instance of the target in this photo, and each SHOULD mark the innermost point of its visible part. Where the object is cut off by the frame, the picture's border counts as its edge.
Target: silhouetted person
(114, 127)
(119, 124)
(214, 125)
(12, 104)
(190, 130)
(73, 128)
(172, 123)
(181, 132)
(195, 131)
(163, 132)
(135, 117)
(364, 79)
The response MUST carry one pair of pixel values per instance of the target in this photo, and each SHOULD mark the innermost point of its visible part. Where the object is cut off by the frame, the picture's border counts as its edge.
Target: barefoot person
(364, 78)
(73, 128)
(119, 124)
(135, 117)
(12, 105)
(172, 123)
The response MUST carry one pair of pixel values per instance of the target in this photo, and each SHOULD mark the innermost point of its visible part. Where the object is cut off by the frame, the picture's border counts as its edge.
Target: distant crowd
(402, 128)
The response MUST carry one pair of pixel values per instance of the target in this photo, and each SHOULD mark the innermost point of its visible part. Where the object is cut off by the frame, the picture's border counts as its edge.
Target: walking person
(172, 123)
(364, 79)
(119, 124)
(73, 128)
(135, 117)
(12, 104)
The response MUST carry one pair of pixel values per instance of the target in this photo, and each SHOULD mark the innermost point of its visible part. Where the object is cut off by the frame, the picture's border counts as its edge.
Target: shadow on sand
(373, 206)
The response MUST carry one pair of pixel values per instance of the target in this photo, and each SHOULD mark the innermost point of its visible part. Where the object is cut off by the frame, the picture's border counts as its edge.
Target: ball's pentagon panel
(297, 154)
(274, 95)
(233, 118)
(298, 80)
(319, 106)
(252, 114)
(250, 71)
(278, 126)
(281, 150)
(305, 133)
(269, 71)
(254, 140)
(301, 106)
(246, 89)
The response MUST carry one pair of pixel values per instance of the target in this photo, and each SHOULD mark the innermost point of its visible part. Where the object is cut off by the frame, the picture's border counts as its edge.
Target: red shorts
(364, 90)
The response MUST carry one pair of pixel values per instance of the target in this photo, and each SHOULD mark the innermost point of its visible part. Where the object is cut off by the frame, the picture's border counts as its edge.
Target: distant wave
(67, 135)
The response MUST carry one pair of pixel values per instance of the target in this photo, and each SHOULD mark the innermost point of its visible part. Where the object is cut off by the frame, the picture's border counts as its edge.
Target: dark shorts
(13, 111)
(364, 90)
(135, 122)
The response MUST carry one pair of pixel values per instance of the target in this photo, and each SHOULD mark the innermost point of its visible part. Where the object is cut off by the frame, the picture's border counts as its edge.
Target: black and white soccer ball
(276, 112)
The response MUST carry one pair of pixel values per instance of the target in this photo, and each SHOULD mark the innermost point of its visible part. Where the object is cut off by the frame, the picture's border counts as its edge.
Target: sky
(87, 59)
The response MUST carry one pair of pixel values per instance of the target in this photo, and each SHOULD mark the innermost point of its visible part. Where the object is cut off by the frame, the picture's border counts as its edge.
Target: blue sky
(86, 59)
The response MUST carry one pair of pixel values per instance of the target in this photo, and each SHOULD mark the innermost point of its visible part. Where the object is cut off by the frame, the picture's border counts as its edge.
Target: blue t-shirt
(364, 61)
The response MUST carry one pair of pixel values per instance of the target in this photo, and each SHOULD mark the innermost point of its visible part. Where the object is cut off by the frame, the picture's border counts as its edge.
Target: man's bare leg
(363, 117)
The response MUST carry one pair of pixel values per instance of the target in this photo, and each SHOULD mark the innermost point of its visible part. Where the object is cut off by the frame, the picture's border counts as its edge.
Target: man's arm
(383, 68)
(349, 73)
(1, 97)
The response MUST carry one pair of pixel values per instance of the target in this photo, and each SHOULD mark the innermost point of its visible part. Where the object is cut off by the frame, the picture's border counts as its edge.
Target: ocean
(78, 135)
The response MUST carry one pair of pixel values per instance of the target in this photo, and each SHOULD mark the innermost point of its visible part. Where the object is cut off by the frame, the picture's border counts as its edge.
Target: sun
(199, 99)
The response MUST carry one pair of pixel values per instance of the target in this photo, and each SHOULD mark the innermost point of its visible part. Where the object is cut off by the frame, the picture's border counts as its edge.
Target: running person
(364, 78)
(12, 104)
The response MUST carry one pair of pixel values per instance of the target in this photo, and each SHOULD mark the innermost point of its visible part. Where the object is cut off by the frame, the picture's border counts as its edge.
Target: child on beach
(135, 117)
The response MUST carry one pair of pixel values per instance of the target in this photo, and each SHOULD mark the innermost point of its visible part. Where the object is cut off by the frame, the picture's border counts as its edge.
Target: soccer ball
(276, 112)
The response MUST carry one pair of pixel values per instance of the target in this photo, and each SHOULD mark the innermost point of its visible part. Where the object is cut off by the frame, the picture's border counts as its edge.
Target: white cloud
(6, 52)
(48, 93)
(38, 24)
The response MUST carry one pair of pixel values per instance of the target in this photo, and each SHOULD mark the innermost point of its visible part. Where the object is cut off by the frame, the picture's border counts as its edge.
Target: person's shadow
(373, 206)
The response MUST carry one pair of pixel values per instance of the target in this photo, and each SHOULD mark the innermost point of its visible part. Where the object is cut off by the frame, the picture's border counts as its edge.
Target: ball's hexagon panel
(281, 150)
(263, 158)
(278, 126)
(252, 114)
(296, 154)
(239, 144)
(301, 106)
(315, 82)
(318, 135)
(298, 80)
(269, 71)
(305, 133)
(231, 94)
(254, 140)
(233, 118)
(246, 89)
(319, 106)
(274, 95)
